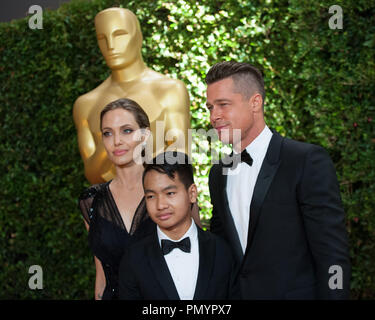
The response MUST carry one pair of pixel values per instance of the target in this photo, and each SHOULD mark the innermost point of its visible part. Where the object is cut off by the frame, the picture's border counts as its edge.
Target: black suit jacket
(296, 228)
(144, 273)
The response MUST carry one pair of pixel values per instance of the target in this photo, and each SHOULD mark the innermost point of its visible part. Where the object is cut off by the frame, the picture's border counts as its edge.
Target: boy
(179, 260)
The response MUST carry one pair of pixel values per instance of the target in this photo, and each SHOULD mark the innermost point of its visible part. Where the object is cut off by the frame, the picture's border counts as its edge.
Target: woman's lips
(119, 152)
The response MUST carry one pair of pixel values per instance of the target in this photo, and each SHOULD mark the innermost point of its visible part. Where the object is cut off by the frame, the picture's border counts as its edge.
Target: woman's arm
(100, 282)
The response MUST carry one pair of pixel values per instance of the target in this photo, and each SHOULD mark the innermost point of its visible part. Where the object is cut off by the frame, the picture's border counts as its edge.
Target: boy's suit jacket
(144, 274)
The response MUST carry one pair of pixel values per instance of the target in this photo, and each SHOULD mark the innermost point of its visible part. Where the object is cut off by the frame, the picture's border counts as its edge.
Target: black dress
(108, 236)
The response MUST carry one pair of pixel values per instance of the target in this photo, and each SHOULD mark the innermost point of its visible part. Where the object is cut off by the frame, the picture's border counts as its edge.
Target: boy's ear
(193, 193)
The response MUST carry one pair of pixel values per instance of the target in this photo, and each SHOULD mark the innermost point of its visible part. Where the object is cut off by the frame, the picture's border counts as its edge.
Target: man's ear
(193, 193)
(256, 102)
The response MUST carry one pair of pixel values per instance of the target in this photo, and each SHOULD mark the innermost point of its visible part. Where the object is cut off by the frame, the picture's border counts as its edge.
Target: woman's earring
(143, 153)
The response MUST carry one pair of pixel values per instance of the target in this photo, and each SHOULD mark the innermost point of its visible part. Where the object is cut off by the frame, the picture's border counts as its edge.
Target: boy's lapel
(206, 263)
(160, 267)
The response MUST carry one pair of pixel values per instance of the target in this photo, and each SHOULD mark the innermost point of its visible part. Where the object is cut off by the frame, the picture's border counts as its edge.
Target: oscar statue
(165, 100)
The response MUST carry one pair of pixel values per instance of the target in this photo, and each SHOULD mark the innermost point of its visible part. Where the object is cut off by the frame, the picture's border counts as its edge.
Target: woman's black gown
(108, 236)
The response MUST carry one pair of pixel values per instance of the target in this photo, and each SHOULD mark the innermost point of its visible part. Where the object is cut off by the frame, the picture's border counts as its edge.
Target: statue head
(119, 37)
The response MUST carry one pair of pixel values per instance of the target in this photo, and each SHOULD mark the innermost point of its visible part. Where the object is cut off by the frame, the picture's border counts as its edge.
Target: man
(280, 208)
(180, 260)
(165, 100)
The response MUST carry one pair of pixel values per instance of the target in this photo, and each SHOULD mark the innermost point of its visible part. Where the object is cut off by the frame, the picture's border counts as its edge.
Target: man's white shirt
(183, 266)
(241, 182)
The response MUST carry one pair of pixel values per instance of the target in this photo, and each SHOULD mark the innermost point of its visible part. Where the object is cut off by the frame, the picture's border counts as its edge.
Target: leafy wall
(320, 87)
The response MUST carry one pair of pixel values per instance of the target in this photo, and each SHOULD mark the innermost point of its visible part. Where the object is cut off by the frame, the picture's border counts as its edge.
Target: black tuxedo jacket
(144, 273)
(296, 228)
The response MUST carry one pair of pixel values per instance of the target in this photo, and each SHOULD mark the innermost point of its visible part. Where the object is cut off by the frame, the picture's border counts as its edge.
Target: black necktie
(168, 245)
(237, 158)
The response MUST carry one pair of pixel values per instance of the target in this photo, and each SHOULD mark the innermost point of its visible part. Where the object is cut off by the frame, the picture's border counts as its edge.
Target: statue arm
(98, 167)
(93, 155)
(177, 118)
(178, 122)
(86, 142)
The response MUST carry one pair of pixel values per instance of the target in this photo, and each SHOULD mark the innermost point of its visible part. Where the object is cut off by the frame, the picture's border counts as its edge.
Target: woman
(115, 212)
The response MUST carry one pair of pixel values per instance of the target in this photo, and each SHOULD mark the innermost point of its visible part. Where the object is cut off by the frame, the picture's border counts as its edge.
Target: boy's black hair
(170, 163)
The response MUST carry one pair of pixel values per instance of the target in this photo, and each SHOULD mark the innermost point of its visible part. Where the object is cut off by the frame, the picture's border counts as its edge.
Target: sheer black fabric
(108, 236)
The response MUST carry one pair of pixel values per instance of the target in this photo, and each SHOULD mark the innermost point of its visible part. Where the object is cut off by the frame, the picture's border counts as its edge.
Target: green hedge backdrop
(320, 87)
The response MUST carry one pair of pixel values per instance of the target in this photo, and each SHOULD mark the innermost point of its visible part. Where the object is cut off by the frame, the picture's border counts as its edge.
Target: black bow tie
(168, 245)
(237, 158)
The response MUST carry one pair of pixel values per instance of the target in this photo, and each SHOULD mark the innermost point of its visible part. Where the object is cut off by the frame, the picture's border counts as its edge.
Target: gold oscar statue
(165, 100)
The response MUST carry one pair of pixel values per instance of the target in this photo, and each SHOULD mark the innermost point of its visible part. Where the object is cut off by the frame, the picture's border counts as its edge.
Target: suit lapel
(229, 222)
(267, 173)
(160, 267)
(206, 263)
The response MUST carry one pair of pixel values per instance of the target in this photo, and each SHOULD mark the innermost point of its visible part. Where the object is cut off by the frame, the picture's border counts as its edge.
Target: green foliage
(320, 86)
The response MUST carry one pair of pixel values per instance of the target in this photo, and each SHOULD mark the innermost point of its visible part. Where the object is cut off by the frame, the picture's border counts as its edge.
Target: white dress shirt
(183, 266)
(241, 183)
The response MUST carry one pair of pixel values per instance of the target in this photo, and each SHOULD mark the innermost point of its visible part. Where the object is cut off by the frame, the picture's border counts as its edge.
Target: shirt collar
(192, 232)
(258, 147)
